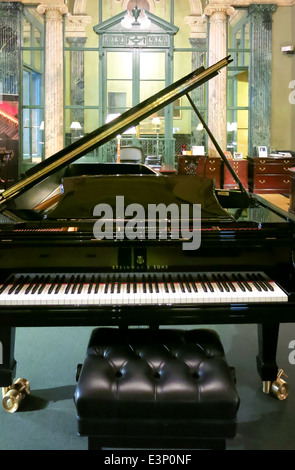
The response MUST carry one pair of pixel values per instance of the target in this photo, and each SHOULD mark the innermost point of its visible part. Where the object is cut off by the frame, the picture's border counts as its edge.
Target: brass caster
(280, 388)
(15, 394)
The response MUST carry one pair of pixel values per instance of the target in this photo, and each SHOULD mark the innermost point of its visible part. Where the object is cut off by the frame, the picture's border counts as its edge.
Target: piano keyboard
(139, 289)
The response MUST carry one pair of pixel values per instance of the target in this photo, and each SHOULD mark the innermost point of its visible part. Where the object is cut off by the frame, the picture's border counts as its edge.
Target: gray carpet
(47, 357)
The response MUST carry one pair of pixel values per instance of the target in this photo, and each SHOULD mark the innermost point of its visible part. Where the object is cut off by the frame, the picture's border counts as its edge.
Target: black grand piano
(68, 258)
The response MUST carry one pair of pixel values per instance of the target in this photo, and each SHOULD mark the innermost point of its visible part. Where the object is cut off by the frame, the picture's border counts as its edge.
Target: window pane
(152, 66)
(26, 134)
(26, 88)
(36, 89)
(119, 64)
(37, 141)
(120, 88)
(148, 89)
(91, 71)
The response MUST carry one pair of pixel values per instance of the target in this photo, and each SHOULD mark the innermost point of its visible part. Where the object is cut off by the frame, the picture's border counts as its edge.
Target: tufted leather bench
(156, 388)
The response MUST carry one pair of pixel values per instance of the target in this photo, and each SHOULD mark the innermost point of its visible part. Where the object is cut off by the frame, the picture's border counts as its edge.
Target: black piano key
(150, 284)
(97, 282)
(76, 283)
(10, 280)
(38, 284)
(186, 283)
(81, 284)
(200, 281)
(106, 287)
(31, 285)
(134, 285)
(59, 285)
(144, 284)
(15, 285)
(42, 287)
(205, 277)
(245, 283)
(155, 281)
(192, 282)
(128, 284)
(260, 282)
(91, 284)
(165, 284)
(240, 284)
(119, 284)
(219, 285)
(53, 285)
(71, 281)
(223, 282)
(229, 283)
(171, 283)
(256, 284)
(266, 282)
(179, 280)
(21, 285)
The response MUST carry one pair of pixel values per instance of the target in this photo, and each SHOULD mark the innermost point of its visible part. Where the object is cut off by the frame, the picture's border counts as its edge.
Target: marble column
(217, 86)
(198, 41)
(77, 80)
(10, 70)
(198, 94)
(260, 74)
(54, 12)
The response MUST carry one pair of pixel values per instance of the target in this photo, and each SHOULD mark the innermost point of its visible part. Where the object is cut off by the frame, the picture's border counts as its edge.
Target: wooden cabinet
(201, 166)
(270, 174)
(240, 166)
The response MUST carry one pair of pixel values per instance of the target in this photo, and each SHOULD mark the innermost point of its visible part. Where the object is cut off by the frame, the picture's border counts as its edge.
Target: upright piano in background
(55, 272)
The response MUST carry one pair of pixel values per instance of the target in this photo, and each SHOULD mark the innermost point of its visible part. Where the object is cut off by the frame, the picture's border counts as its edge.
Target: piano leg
(267, 350)
(7, 361)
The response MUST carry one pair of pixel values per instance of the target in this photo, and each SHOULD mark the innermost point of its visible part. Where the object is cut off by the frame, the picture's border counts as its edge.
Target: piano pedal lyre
(15, 394)
(279, 388)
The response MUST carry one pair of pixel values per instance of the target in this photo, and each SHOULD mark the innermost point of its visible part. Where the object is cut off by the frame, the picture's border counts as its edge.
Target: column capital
(262, 10)
(198, 25)
(219, 11)
(75, 25)
(55, 7)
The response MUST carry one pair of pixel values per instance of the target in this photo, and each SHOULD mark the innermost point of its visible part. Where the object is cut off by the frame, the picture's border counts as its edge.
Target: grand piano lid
(103, 134)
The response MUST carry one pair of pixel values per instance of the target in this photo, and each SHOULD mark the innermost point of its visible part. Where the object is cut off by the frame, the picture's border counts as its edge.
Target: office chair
(131, 154)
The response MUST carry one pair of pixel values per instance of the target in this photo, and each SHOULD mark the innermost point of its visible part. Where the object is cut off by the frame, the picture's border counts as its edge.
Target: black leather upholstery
(150, 383)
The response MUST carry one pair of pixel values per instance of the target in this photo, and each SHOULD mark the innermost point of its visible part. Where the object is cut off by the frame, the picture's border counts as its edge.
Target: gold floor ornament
(280, 388)
(15, 394)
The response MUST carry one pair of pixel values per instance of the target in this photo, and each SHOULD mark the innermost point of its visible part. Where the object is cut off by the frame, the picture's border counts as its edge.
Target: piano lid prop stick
(218, 148)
